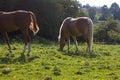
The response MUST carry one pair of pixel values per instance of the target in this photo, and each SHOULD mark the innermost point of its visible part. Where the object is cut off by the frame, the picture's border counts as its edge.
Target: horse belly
(7, 23)
(74, 31)
(77, 33)
(8, 27)
(13, 28)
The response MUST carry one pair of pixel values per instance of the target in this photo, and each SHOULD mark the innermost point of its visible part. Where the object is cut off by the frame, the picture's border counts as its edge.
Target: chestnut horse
(75, 27)
(22, 20)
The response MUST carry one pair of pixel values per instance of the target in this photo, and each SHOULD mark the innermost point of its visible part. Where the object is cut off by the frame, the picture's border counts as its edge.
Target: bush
(105, 32)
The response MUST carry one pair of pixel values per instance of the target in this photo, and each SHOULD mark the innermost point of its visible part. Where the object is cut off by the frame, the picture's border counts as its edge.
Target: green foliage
(70, 8)
(92, 13)
(82, 13)
(115, 10)
(105, 13)
(106, 32)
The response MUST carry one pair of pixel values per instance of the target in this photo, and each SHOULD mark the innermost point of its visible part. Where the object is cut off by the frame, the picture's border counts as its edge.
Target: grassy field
(47, 63)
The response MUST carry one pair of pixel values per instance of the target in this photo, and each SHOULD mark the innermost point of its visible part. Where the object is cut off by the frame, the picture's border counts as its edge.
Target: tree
(115, 10)
(70, 8)
(49, 13)
(105, 13)
(87, 6)
(7, 5)
(92, 13)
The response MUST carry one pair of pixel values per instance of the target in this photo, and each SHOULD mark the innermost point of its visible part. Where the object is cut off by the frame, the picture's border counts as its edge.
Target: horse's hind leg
(29, 49)
(88, 40)
(22, 54)
(27, 42)
(5, 35)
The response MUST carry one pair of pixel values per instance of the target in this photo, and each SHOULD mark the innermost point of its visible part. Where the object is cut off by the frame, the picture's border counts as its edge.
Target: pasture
(47, 63)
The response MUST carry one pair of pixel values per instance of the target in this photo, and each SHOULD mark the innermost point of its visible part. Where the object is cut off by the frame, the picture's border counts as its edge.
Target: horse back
(79, 26)
(11, 21)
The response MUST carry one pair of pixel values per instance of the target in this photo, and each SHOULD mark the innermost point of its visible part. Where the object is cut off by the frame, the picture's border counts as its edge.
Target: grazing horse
(75, 27)
(18, 20)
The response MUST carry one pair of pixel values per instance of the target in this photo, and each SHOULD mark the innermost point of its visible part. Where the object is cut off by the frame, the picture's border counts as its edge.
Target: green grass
(47, 63)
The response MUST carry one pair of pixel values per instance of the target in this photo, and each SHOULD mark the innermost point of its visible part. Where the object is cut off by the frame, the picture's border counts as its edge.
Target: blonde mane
(60, 30)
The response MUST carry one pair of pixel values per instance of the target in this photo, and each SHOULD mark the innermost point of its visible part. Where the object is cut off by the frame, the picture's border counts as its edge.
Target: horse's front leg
(68, 41)
(76, 44)
(5, 35)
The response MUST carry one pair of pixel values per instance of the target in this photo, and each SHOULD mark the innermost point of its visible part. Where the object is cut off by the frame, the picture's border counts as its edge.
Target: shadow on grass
(5, 60)
(21, 60)
(25, 59)
(82, 54)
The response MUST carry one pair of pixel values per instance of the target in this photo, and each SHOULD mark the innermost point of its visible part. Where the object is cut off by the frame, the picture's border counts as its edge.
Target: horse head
(61, 41)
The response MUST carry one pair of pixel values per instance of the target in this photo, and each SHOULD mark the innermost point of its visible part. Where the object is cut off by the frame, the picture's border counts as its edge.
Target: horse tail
(33, 26)
(90, 30)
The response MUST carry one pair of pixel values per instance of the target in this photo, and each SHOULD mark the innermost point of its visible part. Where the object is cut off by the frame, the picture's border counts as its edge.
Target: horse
(18, 20)
(74, 27)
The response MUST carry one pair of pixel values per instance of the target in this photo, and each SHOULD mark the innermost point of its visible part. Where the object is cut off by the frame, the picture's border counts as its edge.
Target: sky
(99, 2)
